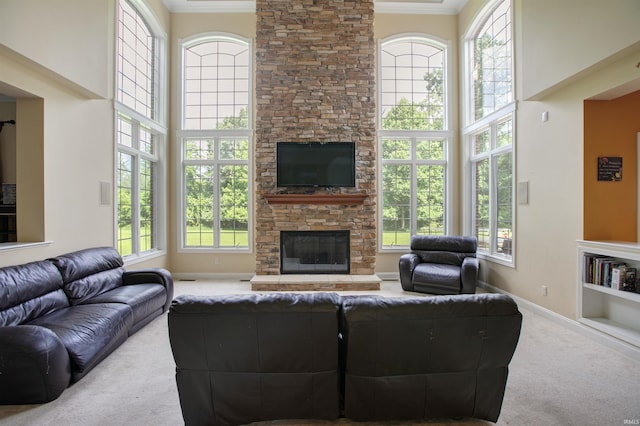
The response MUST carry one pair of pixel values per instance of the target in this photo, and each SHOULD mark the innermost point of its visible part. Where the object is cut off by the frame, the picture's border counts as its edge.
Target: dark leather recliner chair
(440, 265)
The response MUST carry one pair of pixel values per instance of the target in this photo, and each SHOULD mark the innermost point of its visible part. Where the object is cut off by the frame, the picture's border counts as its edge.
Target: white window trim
(157, 125)
(467, 59)
(472, 127)
(448, 135)
(468, 216)
(187, 42)
(182, 134)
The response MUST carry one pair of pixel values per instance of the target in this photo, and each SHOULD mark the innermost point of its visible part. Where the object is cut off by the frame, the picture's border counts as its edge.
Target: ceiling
(437, 7)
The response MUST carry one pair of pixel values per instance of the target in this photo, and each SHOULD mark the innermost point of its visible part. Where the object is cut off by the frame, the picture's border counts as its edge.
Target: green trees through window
(414, 148)
(216, 175)
(215, 139)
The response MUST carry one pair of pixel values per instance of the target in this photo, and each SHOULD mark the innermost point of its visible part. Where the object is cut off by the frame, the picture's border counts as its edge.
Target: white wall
(69, 38)
(563, 40)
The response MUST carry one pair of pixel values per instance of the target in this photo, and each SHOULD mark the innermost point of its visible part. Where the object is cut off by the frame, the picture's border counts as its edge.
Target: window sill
(496, 258)
(218, 250)
(133, 259)
(394, 249)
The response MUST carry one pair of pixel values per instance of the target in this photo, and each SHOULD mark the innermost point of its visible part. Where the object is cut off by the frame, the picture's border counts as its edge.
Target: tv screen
(315, 164)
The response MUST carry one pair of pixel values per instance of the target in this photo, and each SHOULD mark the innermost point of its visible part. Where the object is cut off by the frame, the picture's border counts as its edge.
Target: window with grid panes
(215, 137)
(139, 136)
(414, 139)
(490, 132)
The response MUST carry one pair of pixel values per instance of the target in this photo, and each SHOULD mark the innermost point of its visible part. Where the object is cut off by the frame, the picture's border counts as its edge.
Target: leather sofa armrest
(408, 262)
(35, 365)
(469, 275)
(151, 276)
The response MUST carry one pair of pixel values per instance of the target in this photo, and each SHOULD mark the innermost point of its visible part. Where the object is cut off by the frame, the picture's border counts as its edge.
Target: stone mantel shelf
(347, 199)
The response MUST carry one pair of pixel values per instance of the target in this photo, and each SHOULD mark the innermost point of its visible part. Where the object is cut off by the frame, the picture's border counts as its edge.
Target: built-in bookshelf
(603, 304)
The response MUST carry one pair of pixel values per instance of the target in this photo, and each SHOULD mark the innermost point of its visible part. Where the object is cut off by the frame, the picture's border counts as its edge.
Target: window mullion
(414, 188)
(493, 204)
(216, 206)
(135, 196)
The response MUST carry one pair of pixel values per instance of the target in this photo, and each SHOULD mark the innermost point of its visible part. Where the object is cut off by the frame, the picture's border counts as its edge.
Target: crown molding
(426, 7)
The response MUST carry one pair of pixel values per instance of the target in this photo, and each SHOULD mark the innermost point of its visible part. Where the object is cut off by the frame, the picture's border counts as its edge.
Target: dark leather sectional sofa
(258, 357)
(60, 317)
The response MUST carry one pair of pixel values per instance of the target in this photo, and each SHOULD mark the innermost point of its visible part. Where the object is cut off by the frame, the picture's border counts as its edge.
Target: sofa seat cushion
(144, 299)
(438, 278)
(89, 332)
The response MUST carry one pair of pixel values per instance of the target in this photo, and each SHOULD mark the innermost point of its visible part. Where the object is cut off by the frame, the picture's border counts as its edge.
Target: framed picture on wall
(610, 169)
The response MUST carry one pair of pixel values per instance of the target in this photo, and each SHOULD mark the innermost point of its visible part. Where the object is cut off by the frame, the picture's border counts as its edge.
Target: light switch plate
(105, 193)
(523, 192)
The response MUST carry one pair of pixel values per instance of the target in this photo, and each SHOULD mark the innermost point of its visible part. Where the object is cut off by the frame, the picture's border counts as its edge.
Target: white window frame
(157, 126)
(217, 135)
(447, 135)
(472, 128)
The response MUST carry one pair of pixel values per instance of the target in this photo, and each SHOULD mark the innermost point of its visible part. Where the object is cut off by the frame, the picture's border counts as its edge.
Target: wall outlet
(543, 290)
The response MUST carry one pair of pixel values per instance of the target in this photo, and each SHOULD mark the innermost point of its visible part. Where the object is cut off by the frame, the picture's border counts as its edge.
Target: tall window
(414, 139)
(139, 134)
(216, 143)
(490, 131)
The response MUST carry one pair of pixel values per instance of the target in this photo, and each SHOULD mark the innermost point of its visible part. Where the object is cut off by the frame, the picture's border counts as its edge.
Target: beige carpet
(557, 377)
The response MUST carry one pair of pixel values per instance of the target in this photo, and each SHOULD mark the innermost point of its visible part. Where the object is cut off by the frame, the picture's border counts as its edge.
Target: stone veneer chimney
(315, 82)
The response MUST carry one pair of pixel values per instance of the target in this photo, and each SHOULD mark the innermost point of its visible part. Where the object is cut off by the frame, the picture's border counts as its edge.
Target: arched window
(414, 138)
(489, 132)
(215, 138)
(140, 133)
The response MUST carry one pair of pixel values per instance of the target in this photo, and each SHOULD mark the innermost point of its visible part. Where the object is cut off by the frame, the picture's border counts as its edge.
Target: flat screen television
(315, 164)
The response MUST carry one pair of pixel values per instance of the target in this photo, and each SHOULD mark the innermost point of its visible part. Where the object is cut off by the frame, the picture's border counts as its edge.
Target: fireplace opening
(314, 252)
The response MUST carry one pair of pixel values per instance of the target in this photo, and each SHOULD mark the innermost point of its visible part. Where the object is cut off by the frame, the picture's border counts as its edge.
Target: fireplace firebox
(314, 252)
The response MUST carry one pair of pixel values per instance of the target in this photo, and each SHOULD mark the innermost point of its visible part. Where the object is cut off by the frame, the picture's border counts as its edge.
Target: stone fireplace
(315, 82)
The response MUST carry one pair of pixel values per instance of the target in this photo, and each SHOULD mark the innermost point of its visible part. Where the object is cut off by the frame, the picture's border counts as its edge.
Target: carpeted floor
(557, 377)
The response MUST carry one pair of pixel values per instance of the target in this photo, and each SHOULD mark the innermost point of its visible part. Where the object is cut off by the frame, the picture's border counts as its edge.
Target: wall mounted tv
(315, 164)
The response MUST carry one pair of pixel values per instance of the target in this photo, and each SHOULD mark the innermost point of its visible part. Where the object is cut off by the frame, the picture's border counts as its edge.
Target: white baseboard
(602, 338)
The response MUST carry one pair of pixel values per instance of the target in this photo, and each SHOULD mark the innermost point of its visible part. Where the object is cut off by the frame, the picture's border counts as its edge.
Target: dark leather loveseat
(248, 358)
(60, 317)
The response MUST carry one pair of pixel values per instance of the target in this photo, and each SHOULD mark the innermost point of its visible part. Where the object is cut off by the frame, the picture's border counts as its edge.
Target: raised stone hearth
(315, 282)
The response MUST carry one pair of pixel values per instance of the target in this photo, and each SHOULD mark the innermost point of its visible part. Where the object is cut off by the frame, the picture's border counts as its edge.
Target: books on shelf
(608, 271)
(618, 276)
(630, 280)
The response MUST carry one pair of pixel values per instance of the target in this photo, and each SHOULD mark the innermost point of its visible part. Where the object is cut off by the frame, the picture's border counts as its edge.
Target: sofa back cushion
(427, 357)
(29, 291)
(89, 272)
(257, 357)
